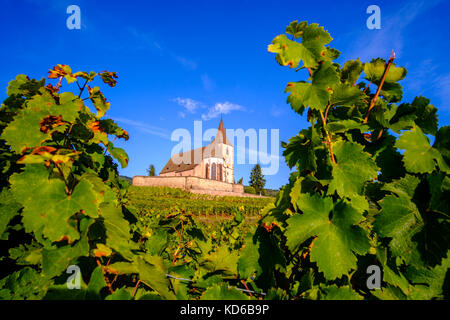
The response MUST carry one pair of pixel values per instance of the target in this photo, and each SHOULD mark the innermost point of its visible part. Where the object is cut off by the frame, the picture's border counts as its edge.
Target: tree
(257, 180)
(240, 181)
(151, 170)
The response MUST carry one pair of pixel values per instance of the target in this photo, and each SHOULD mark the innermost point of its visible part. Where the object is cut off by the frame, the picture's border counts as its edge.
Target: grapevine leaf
(9, 208)
(248, 265)
(375, 69)
(120, 294)
(290, 53)
(340, 293)
(99, 101)
(419, 156)
(118, 235)
(404, 187)
(300, 150)
(337, 240)
(96, 283)
(223, 292)
(119, 154)
(346, 95)
(46, 205)
(428, 282)
(354, 167)
(315, 94)
(400, 220)
(419, 112)
(56, 259)
(221, 260)
(442, 142)
(296, 29)
(351, 71)
(25, 130)
(153, 273)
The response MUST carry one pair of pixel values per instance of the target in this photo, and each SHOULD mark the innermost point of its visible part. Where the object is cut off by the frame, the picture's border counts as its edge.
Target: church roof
(205, 152)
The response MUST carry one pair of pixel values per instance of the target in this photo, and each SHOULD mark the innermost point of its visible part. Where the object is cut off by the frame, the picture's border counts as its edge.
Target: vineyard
(165, 200)
(367, 189)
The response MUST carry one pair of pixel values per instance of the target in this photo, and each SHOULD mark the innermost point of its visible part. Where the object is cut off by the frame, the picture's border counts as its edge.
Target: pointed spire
(221, 130)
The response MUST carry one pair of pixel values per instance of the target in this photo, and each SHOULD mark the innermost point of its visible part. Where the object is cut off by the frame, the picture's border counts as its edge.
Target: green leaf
(338, 238)
(9, 208)
(96, 283)
(404, 187)
(47, 207)
(419, 112)
(223, 292)
(354, 167)
(346, 95)
(296, 29)
(442, 142)
(310, 51)
(290, 53)
(340, 293)
(375, 69)
(153, 273)
(419, 156)
(300, 150)
(120, 294)
(118, 236)
(25, 130)
(99, 101)
(55, 260)
(315, 94)
(351, 71)
(248, 264)
(221, 260)
(400, 220)
(428, 282)
(119, 154)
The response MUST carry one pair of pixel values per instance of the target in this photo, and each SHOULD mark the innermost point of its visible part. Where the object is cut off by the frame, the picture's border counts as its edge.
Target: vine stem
(246, 287)
(383, 78)
(135, 288)
(330, 147)
(82, 89)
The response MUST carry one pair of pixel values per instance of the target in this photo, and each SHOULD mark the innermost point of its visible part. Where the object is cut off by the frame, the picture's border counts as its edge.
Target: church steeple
(221, 135)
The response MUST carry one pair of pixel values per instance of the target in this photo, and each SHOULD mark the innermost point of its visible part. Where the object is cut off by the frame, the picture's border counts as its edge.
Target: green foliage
(249, 189)
(257, 180)
(359, 196)
(151, 171)
(164, 200)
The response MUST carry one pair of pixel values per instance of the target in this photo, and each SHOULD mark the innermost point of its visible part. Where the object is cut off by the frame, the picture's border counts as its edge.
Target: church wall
(187, 183)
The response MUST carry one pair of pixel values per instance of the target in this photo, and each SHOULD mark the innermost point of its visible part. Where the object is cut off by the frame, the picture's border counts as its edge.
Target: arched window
(213, 172)
(207, 171)
(220, 178)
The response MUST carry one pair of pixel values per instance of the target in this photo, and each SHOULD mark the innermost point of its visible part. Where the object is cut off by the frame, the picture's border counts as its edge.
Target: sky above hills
(182, 61)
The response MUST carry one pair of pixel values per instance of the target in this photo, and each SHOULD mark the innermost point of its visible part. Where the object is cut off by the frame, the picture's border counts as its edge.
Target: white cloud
(221, 108)
(190, 105)
(143, 127)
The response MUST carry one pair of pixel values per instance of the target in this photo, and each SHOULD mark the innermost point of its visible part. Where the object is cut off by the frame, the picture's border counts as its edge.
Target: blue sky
(181, 61)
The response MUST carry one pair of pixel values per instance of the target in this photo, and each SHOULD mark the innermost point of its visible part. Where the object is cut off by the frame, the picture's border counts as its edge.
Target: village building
(209, 169)
(215, 161)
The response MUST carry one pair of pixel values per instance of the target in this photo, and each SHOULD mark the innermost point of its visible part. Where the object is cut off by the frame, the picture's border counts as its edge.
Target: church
(214, 161)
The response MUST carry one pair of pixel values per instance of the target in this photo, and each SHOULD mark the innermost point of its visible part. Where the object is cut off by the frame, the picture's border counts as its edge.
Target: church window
(207, 171)
(220, 178)
(213, 172)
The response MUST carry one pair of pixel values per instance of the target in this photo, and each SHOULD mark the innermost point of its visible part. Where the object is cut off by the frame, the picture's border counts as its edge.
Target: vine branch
(383, 78)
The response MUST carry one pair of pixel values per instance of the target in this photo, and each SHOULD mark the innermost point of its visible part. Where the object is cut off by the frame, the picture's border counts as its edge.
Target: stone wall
(188, 183)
